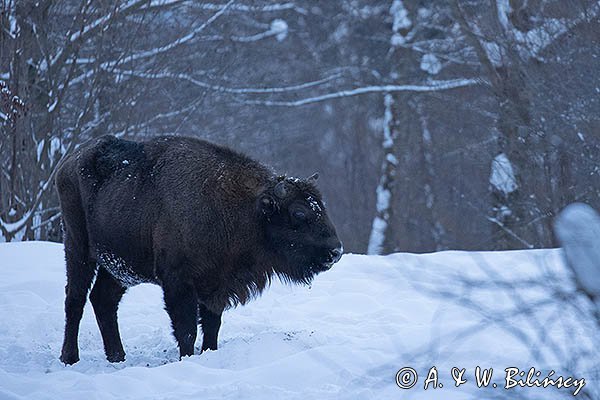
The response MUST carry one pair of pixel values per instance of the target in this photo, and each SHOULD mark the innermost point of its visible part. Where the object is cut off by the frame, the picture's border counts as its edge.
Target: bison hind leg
(80, 273)
(105, 297)
(80, 267)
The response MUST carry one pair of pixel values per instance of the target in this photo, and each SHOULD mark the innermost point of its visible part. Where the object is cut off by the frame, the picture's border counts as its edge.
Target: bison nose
(336, 254)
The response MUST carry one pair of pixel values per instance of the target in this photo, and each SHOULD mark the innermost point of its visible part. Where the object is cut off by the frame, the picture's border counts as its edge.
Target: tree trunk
(436, 229)
(380, 230)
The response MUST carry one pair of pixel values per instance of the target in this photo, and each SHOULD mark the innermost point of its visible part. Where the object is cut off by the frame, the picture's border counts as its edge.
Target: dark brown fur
(209, 225)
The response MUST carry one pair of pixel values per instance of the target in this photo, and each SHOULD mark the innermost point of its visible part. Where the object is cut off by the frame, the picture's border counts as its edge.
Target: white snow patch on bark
(391, 159)
(383, 199)
(388, 142)
(502, 177)
(383, 194)
(377, 236)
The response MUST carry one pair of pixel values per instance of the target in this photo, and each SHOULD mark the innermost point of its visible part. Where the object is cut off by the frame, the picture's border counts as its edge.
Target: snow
(52, 106)
(377, 236)
(537, 39)
(279, 28)
(431, 64)
(430, 86)
(314, 205)
(142, 54)
(424, 13)
(531, 44)
(503, 9)
(502, 177)
(400, 21)
(345, 337)
(100, 21)
(119, 269)
(388, 140)
(56, 146)
(578, 229)
(40, 148)
(493, 52)
(383, 198)
(380, 224)
(341, 32)
(14, 27)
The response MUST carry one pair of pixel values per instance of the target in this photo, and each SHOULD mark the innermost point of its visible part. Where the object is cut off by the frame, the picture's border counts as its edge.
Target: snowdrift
(345, 337)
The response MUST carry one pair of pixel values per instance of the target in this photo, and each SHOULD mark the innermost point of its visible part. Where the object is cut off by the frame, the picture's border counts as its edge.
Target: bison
(211, 226)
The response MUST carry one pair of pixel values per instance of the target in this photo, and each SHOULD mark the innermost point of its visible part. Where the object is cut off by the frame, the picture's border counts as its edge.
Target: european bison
(209, 225)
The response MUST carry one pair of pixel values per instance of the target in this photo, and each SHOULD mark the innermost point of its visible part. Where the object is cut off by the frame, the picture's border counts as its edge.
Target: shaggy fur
(209, 225)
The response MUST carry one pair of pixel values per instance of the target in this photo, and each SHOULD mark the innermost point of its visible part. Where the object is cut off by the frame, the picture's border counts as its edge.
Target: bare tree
(511, 44)
(494, 113)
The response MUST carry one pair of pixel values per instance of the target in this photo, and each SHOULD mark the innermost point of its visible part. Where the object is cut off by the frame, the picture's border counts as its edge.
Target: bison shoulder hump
(107, 155)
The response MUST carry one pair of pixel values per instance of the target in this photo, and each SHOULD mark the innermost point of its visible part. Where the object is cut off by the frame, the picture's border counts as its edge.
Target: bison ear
(266, 205)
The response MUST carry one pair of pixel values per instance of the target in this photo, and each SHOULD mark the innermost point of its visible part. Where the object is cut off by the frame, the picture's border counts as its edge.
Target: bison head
(298, 229)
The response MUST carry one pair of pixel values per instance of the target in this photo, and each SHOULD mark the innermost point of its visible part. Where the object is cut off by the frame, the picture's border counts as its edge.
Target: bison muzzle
(210, 226)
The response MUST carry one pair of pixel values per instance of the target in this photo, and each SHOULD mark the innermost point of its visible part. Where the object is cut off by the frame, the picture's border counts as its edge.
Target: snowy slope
(343, 338)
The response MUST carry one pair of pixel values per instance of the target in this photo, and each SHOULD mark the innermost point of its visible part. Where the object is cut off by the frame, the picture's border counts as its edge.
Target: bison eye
(299, 215)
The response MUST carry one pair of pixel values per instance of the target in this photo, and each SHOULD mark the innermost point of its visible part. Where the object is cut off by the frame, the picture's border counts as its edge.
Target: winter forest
(460, 128)
(434, 124)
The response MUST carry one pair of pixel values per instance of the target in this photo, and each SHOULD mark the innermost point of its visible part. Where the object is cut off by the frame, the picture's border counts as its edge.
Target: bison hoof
(116, 357)
(69, 358)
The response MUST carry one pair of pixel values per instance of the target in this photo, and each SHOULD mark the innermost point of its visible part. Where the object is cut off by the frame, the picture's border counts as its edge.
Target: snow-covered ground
(345, 337)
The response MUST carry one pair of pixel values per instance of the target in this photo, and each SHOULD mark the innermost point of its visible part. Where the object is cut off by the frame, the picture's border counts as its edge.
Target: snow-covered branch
(87, 30)
(10, 228)
(510, 232)
(177, 42)
(11, 106)
(108, 65)
(431, 86)
(534, 41)
(248, 8)
(205, 85)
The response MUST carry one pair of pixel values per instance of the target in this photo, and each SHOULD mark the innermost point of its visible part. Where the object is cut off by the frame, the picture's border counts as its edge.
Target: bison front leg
(211, 322)
(181, 304)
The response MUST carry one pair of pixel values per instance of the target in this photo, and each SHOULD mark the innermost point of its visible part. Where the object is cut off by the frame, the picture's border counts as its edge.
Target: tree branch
(431, 87)
(205, 85)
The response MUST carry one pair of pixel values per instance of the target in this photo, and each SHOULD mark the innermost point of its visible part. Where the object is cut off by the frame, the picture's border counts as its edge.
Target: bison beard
(209, 225)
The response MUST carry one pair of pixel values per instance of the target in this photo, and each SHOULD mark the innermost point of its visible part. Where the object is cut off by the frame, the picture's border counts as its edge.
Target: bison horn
(313, 177)
(280, 190)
